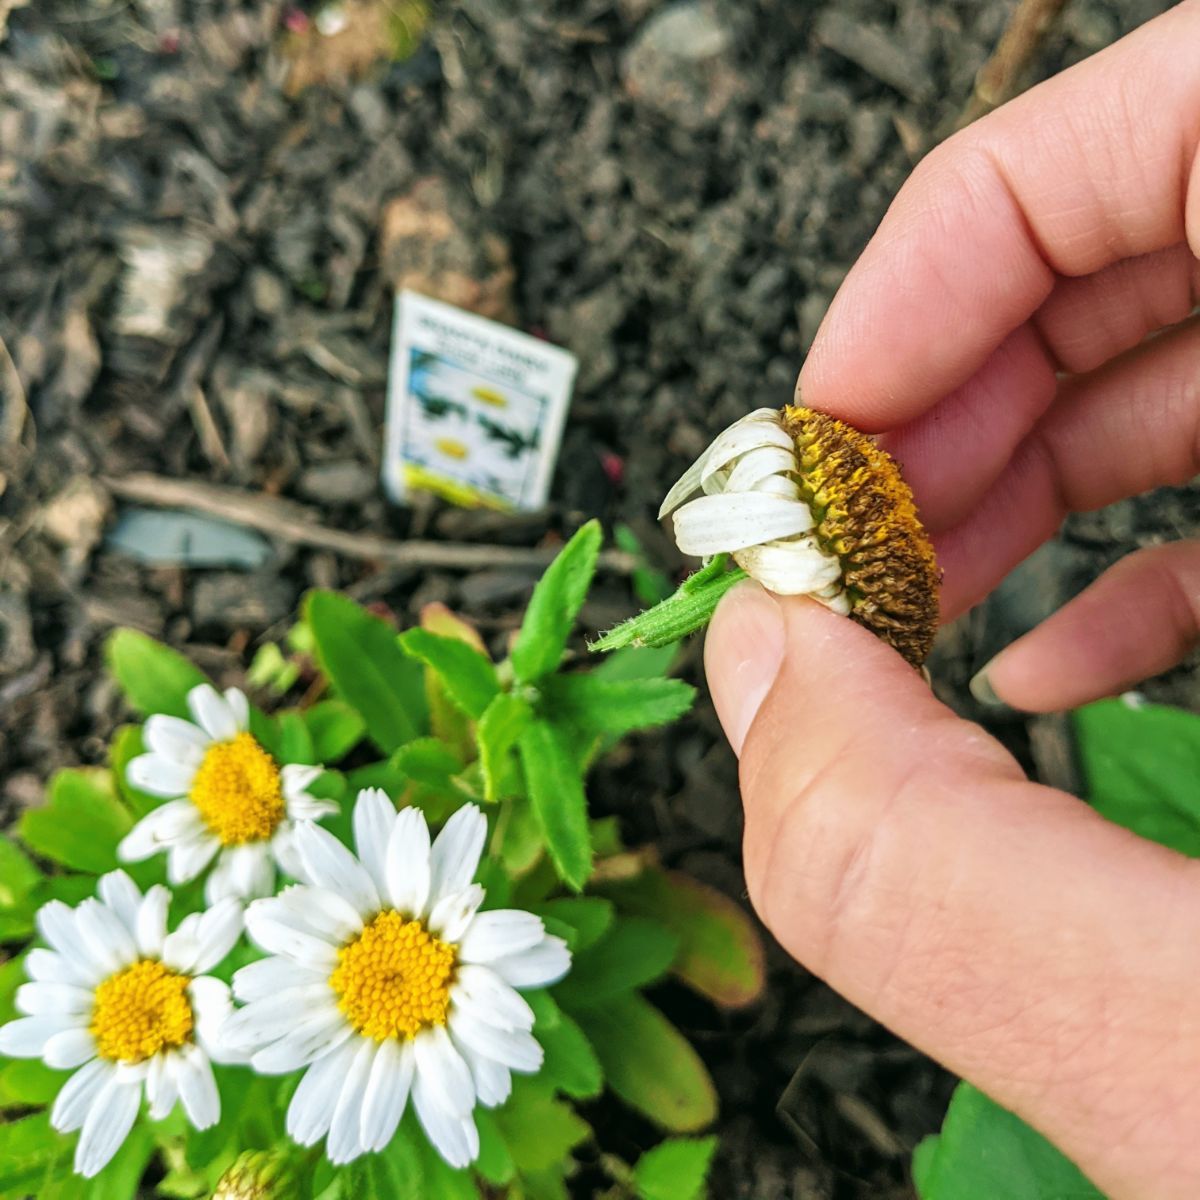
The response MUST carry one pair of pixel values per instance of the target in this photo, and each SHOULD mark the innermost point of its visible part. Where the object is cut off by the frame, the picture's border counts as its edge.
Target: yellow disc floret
(865, 514)
(237, 790)
(393, 979)
(140, 1011)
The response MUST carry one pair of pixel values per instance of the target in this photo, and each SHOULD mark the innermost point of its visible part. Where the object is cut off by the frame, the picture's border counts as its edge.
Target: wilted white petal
(790, 568)
(732, 521)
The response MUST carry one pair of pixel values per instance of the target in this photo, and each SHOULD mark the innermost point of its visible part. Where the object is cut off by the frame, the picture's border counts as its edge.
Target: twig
(295, 522)
(999, 78)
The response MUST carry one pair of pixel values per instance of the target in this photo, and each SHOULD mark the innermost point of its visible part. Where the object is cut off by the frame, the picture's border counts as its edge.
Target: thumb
(1003, 927)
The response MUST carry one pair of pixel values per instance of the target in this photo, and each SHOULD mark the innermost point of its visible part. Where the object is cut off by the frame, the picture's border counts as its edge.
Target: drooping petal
(545, 964)
(328, 864)
(176, 739)
(732, 521)
(756, 465)
(159, 829)
(160, 776)
(387, 1093)
(374, 816)
(790, 568)
(212, 712)
(311, 1109)
(107, 1124)
(75, 1097)
(197, 1087)
(500, 933)
(454, 858)
(407, 862)
(345, 1130)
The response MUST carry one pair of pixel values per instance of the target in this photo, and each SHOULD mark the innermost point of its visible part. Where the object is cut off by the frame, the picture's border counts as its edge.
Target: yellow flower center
(866, 515)
(393, 979)
(238, 792)
(140, 1011)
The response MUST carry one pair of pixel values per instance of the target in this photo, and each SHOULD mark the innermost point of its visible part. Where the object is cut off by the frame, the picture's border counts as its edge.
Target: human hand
(896, 850)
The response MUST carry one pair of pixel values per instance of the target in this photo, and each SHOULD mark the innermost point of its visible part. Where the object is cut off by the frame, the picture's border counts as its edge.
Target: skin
(1019, 331)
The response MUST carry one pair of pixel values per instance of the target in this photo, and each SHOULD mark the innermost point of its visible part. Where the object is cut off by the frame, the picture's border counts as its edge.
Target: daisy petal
(175, 739)
(160, 776)
(545, 964)
(493, 1080)
(791, 568)
(111, 943)
(387, 1093)
(121, 894)
(270, 976)
(317, 910)
(328, 864)
(159, 829)
(756, 465)
(345, 1137)
(732, 521)
(374, 816)
(150, 926)
(161, 1088)
(274, 1018)
(203, 939)
(212, 1003)
(453, 913)
(482, 991)
(26, 1037)
(242, 873)
(212, 713)
(311, 1110)
(272, 930)
(48, 966)
(295, 778)
(443, 1069)
(239, 707)
(314, 1036)
(407, 862)
(454, 858)
(453, 1135)
(188, 858)
(107, 1124)
(500, 933)
(514, 1048)
(47, 999)
(58, 925)
(75, 1096)
(197, 1087)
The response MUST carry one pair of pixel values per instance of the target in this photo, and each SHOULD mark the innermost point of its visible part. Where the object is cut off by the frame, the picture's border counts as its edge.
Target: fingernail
(742, 657)
(981, 688)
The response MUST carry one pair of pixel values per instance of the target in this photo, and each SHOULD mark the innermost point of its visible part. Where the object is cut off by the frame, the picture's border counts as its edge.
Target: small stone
(231, 600)
(342, 482)
(75, 517)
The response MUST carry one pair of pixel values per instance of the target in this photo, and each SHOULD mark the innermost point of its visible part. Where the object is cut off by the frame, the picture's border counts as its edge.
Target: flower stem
(689, 609)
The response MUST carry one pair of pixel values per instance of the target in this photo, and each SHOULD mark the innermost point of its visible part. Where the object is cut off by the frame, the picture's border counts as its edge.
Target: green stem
(689, 609)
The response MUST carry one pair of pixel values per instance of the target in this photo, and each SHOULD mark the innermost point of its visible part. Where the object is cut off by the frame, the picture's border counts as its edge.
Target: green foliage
(556, 792)
(362, 658)
(555, 603)
(675, 1169)
(334, 729)
(499, 729)
(154, 678)
(984, 1150)
(614, 707)
(468, 676)
(633, 953)
(81, 822)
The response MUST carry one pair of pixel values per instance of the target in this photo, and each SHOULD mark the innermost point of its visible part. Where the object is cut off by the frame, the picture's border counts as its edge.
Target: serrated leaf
(335, 729)
(81, 823)
(468, 676)
(18, 875)
(539, 1131)
(558, 802)
(983, 1150)
(589, 917)
(721, 952)
(615, 707)
(637, 662)
(570, 1064)
(1140, 766)
(556, 601)
(503, 722)
(649, 1064)
(362, 659)
(154, 678)
(676, 1169)
(634, 952)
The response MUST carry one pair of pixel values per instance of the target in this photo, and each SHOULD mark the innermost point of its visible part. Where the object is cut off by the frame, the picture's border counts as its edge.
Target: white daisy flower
(127, 1003)
(386, 980)
(753, 507)
(227, 799)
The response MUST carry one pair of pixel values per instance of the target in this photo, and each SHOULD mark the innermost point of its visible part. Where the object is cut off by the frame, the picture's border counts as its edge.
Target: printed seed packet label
(475, 409)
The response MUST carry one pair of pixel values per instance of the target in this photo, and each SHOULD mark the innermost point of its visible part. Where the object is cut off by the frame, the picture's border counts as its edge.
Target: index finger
(1100, 163)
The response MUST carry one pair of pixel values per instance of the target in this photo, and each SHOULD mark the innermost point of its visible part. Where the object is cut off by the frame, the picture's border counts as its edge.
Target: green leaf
(154, 678)
(615, 707)
(502, 723)
(633, 953)
(570, 1064)
(637, 662)
(650, 1065)
(397, 1173)
(427, 761)
(1140, 766)
(468, 676)
(539, 1131)
(127, 744)
(335, 729)
(721, 953)
(18, 876)
(555, 603)
(28, 1081)
(494, 1163)
(12, 975)
(81, 823)
(589, 917)
(440, 1179)
(522, 845)
(675, 1169)
(556, 795)
(363, 660)
(983, 1150)
(32, 1155)
(295, 742)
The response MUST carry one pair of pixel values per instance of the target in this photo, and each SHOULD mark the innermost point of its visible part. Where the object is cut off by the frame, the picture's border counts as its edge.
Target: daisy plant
(375, 944)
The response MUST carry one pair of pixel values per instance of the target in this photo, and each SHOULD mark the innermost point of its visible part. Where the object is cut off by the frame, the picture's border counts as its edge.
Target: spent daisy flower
(386, 980)
(127, 1003)
(227, 798)
(807, 505)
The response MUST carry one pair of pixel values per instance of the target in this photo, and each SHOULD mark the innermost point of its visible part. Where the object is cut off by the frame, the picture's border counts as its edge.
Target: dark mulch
(192, 283)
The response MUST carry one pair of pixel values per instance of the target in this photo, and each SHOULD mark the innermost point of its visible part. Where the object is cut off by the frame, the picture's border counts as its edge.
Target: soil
(193, 283)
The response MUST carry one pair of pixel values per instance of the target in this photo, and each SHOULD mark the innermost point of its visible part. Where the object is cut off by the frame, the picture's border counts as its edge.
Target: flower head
(129, 1005)
(385, 979)
(228, 799)
(808, 505)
